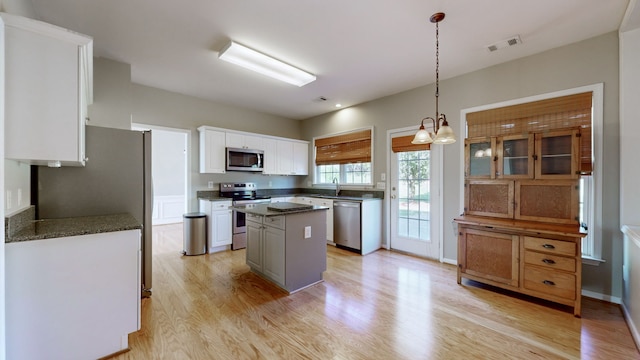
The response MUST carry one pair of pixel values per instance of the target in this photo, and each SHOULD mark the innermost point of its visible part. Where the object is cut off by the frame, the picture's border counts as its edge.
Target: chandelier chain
(437, 68)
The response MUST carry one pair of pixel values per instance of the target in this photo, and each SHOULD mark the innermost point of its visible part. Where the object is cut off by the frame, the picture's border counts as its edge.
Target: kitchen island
(286, 243)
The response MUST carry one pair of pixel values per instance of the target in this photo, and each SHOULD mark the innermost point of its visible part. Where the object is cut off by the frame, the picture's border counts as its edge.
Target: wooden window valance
(571, 111)
(403, 144)
(345, 148)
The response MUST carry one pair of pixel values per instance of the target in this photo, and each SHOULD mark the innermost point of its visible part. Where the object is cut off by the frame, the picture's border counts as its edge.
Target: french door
(415, 204)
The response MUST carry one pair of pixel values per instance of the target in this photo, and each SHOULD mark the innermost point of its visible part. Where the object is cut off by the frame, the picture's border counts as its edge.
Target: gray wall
(588, 62)
(118, 102)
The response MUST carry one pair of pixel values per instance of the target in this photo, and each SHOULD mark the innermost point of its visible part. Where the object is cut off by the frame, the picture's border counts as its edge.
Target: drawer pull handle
(549, 282)
(548, 261)
(548, 246)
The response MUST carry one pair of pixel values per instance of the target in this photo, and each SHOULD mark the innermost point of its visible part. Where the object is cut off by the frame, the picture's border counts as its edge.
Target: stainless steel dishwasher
(346, 224)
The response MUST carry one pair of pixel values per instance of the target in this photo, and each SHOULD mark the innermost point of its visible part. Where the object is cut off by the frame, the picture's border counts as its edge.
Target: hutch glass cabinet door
(557, 155)
(515, 160)
(480, 158)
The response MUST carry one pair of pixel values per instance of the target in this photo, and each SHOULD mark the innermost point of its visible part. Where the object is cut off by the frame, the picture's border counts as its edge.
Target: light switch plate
(383, 177)
(307, 232)
(210, 184)
(9, 204)
(381, 185)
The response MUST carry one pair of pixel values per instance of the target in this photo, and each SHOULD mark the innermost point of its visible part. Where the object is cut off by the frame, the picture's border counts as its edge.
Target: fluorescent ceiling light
(263, 64)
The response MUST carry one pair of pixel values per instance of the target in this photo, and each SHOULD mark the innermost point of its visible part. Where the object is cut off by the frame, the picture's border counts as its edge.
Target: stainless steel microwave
(245, 160)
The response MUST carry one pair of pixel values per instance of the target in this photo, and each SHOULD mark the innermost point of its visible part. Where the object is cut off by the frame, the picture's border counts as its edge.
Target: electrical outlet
(309, 184)
(270, 183)
(307, 232)
(383, 177)
(210, 184)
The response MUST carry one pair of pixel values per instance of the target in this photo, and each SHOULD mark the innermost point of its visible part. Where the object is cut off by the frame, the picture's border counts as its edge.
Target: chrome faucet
(335, 181)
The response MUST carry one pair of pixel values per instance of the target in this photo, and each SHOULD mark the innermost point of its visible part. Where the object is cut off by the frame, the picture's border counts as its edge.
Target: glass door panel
(557, 155)
(516, 162)
(479, 158)
(415, 201)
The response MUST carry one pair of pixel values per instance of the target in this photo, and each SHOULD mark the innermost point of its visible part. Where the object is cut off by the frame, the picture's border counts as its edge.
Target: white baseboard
(603, 297)
(216, 249)
(450, 261)
(632, 327)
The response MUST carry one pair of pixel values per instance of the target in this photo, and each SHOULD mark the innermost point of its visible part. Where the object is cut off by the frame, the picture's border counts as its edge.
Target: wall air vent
(512, 41)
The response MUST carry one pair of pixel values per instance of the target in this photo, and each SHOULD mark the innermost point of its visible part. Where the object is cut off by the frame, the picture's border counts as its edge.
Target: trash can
(195, 234)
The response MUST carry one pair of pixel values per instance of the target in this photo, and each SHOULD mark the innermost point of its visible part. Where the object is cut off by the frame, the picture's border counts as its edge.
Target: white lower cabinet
(327, 203)
(50, 316)
(282, 199)
(266, 246)
(319, 202)
(219, 232)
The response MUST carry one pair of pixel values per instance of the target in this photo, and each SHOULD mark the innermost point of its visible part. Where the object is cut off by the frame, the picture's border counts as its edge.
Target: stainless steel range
(241, 194)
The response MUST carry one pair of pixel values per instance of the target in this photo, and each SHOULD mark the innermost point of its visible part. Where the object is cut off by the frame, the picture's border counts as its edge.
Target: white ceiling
(360, 50)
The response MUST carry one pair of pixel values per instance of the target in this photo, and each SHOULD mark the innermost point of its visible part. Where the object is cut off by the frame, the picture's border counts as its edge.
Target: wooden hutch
(520, 229)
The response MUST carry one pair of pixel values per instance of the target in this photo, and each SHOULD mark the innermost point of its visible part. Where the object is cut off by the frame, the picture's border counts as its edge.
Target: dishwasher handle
(346, 204)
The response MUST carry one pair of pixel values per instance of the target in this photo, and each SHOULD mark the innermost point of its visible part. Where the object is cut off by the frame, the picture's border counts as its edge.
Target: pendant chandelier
(442, 133)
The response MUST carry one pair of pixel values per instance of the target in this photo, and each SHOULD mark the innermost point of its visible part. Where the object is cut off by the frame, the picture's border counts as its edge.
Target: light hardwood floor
(384, 305)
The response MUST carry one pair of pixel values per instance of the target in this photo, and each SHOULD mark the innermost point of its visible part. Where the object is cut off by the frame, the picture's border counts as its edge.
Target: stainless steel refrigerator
(116, 179)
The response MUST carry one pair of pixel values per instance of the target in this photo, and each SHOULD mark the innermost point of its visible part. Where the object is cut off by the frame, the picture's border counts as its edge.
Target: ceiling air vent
(512, 41)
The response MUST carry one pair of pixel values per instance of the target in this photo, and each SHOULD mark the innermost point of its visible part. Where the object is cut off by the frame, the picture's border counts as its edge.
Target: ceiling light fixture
(263, 64)
(443, 134)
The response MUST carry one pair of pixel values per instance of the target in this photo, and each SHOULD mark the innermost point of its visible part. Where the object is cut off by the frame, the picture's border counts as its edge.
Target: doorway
(415, 205)
(169, 161)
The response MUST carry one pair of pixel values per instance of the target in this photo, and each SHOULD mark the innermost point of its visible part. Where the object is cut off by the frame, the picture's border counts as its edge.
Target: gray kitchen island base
(287, 248)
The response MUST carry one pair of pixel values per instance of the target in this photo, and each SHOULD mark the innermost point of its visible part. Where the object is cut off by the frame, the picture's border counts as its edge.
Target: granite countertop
(56, 228)
(330, 197)
(352, 195)
(262, 209)
(340, 197)
(213, 198)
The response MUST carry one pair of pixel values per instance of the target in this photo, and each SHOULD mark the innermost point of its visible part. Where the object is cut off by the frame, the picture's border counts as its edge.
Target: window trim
(597, 122)
(344, 185)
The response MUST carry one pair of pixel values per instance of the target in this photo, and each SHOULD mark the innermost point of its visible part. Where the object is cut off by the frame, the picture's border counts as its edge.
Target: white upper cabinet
(282, 156)
(49, 84)
(292, 157)
(244, 141)
(300, 158)
(212, 151)
(270, 156)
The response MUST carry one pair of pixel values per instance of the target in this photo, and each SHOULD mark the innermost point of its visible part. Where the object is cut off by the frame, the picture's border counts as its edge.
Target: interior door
(415, 200)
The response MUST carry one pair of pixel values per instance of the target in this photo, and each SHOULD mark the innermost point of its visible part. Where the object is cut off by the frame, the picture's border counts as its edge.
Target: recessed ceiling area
(359, 50)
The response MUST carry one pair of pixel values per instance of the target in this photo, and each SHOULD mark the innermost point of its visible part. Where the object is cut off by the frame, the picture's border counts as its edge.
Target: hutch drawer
(549, 281)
